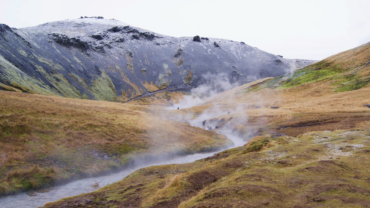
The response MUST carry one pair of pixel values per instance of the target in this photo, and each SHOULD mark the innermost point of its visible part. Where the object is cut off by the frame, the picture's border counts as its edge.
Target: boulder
(178, 53)
(99, 36)
(196, 38)
(147, 35)
(115, 29)
(135, 37)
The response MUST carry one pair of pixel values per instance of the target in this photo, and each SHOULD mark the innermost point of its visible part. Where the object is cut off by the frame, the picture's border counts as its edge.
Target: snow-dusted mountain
(109, 60)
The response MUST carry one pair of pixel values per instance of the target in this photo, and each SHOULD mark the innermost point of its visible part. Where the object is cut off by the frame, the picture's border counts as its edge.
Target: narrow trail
(146, 94)
(38, 198)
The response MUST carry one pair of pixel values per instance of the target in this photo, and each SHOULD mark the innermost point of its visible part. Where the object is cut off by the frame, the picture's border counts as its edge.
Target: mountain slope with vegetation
(310, 147)
(98, 59)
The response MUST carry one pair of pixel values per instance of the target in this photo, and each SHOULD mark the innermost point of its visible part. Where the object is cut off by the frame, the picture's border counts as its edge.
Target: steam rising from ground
(214, 84)
(213, 113)
(228, 111)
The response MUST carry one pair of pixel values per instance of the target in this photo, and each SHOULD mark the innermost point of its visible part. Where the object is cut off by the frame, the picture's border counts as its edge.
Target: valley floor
(310, 147)
(309, 142)
(47, 140)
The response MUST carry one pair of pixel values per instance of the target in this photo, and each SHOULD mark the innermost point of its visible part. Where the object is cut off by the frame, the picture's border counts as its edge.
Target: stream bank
(39, 198)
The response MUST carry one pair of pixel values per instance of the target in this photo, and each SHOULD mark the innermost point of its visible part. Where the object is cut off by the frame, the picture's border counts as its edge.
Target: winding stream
(39, 198)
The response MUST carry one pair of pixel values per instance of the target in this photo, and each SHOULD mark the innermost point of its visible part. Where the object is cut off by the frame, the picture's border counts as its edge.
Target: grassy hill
(312, 148)
(47, 140)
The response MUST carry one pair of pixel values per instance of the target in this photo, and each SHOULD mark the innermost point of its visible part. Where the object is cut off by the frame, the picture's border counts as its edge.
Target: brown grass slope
(47, 140)
(318, 169)
(313, 148)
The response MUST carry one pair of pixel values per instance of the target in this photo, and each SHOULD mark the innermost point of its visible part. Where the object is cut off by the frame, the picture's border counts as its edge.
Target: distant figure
(178, 108)
(204, 123)
(228, 112)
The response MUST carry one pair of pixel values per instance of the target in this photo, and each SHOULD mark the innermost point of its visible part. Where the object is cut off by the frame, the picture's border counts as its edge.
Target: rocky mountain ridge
(94, 58)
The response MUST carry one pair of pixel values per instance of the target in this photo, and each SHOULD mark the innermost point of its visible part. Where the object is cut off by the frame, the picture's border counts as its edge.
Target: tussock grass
(172, 184)
(26, 179)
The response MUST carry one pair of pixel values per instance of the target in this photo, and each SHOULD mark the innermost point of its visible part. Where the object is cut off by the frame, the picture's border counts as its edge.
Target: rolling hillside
(49, 140)
(310, 146)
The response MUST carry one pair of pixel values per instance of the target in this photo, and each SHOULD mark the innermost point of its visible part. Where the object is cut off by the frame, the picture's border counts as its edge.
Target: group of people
(207, 127)
(216, 127)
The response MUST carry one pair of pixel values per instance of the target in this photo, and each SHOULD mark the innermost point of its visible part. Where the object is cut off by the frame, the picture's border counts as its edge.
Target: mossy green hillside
(342, 80)
(346, 71)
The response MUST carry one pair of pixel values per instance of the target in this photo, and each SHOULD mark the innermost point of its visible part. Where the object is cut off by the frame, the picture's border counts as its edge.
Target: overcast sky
(307, 29)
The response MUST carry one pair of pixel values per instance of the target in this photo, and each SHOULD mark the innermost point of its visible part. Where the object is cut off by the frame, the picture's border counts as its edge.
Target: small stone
(330, 157)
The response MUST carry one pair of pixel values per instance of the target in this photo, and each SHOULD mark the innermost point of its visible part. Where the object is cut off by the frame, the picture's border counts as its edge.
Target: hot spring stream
(34, 199)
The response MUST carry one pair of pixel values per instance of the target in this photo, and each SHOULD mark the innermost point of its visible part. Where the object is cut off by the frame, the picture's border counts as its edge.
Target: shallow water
(39, 198)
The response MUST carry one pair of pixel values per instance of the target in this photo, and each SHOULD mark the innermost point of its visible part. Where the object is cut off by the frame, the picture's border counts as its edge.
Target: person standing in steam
(204, 124)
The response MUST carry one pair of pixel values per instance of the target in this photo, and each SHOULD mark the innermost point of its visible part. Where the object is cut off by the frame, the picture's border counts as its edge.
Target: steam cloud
(214, 84)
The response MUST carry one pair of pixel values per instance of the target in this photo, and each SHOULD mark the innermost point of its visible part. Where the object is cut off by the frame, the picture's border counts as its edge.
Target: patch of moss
(313, 73)
(8, 88)
(163, 86)
(257, 145)
(350, 82)
(188, 77)
(272, 83)
(24, 180)
(20, 87)
(144, 100)
(103, 87)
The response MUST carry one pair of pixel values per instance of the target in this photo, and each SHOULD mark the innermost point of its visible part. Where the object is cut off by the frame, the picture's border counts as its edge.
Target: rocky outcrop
(102, 59)
(5, 28)
(196, 39)
(75, 42)
(216, 45)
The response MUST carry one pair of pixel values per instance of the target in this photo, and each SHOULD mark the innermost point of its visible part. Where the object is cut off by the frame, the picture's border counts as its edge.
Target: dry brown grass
(150, 86)
(79, 138)
(352, 58)
(172, 184)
